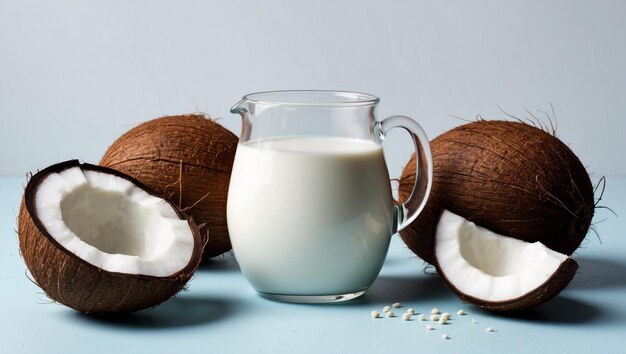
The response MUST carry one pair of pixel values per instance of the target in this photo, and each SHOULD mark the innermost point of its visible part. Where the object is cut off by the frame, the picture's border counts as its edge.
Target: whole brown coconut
(509, 177)
(187, 158)
(72, 281)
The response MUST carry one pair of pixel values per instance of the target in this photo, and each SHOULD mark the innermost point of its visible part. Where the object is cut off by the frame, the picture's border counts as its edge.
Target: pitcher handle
(406, 212)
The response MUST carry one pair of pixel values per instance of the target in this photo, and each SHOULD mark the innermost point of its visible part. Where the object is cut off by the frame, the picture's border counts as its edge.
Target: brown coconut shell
(188, 158)
(72, 281)
(509, 177)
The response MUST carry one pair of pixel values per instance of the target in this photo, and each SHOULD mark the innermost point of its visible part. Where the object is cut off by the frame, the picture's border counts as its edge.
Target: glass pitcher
(310, 209)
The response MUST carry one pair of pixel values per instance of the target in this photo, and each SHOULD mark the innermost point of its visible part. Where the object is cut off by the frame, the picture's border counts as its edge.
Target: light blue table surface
(220, 313)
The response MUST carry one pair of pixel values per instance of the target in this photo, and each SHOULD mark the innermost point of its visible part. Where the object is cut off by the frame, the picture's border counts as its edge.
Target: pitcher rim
(352, 98)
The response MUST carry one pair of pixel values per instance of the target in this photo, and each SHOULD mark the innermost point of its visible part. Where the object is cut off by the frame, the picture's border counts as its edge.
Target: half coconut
(497, 272)
(99, 241)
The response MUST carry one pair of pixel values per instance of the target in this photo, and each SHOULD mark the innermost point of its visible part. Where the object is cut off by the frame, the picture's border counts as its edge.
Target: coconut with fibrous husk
(512, 179)
(100, 242)
(187, 158)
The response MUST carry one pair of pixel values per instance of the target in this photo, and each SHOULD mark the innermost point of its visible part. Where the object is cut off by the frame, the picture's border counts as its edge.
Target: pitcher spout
(240, 108)
(243, 108)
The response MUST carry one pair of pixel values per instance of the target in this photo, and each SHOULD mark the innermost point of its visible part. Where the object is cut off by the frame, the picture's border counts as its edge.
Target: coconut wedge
(99, 241)
(497, 272)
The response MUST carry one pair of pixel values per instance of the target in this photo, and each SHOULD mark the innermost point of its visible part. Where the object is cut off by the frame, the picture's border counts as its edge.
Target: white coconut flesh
(113, 224)
(489, 266)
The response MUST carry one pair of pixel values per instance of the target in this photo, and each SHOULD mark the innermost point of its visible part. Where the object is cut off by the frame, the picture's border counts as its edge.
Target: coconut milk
(310, 215)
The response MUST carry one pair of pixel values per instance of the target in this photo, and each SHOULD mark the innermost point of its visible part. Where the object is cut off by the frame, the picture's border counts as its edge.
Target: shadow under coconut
(561, 309)
(596, 273)
(174, 313)
(222, 263)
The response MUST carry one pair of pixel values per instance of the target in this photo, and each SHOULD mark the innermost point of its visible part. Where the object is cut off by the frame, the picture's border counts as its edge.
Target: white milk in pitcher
(310, 215)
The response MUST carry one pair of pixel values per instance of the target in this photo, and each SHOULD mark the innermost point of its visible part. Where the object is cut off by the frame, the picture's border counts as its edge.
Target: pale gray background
(74, 75)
